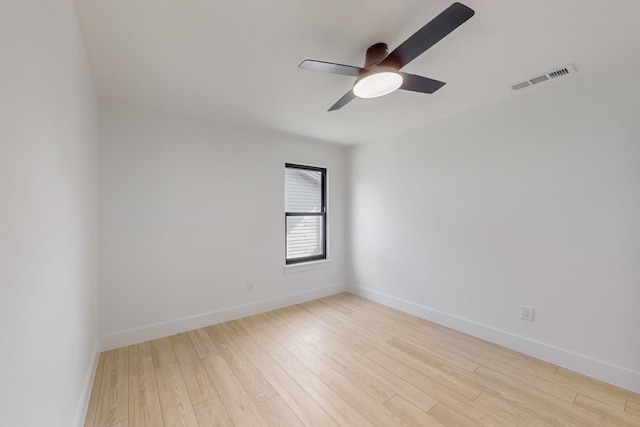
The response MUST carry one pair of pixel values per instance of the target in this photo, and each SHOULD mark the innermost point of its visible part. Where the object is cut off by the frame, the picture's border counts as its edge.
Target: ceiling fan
(381, 72)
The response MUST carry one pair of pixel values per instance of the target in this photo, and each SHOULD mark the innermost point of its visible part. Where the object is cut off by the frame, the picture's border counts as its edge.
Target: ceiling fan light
(377, 83)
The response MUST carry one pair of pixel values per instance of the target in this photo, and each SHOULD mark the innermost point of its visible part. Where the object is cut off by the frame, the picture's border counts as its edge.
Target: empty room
(286, 213)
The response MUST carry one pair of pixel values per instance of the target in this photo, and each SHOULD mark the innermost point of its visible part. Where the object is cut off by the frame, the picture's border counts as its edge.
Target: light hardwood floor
(345, 361)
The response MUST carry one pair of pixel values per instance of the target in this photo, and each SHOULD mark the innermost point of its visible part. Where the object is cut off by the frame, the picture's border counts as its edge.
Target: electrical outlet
(249, 286)
(526, 313)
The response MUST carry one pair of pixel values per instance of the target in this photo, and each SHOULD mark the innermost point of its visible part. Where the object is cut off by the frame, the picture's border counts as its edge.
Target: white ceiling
(235, 62)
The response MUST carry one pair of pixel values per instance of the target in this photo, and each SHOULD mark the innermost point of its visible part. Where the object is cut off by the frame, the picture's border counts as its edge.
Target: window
(305, 213)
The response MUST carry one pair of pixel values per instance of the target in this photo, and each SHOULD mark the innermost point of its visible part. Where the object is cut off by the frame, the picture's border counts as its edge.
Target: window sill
(306, 266)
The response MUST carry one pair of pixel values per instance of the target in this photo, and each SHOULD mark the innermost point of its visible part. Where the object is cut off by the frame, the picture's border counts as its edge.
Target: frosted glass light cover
(377, 84)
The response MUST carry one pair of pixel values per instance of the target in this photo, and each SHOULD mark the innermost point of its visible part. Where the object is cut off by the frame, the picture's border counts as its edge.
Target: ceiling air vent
(559, 72)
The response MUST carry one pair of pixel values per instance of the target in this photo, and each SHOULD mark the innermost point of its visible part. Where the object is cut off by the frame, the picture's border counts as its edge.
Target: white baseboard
(159, 330)
(83, 405)
(612, 374)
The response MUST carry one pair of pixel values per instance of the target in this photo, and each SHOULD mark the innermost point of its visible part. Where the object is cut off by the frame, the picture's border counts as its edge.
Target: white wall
(48, 216)
(190, 212)
(534, 201)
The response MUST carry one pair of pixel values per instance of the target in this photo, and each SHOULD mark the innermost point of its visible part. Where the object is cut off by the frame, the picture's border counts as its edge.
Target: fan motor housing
(375, 54)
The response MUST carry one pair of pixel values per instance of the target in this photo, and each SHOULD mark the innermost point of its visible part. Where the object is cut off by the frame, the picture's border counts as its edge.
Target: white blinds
(304, 236)
(303, 191)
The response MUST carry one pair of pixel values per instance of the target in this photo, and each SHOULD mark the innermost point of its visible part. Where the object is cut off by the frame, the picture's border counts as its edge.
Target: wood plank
(162, 352)
(463, 385)
(447, 365)
(364, 316)
(194, 374)
(302, 319)
(332, 353)
(296, 322)
(355, 343)
(339, 303)
(422, 351)
(293, 342)
(202, 343)
(395, 382)
(360, 329)
(416, 377)
(278, 413)
(598, 390)
(633, 408)
(330, 401)
(242, 410)
(439, 391)
(305, 354)
(298, 344)
(294, 395)
(114, 390)
(330, 311)
(249, 376)
(253, 326)
(272, 331)
(233, 329)
(436, 337)
(174, 399)
(442, 350)
(535, 381)
(451, 416)
(372, 410)
(144, 405)
(438, 348)
(535, 402)
(560, 386)
(387, 314)
(594, 383)
(275, 318)
(410, 413)
(475, 348)
(371, 385)
(361, 340)
(212, 413)
(512, 415)
(619, 418)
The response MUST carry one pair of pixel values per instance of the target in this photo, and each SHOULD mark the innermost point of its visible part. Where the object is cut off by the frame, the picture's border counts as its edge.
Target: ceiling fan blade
(420, 84)
(342, 101)
(330, 67)
(437, 29)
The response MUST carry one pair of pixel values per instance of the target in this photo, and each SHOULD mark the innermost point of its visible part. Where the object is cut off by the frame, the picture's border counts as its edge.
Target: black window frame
(322, 213)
